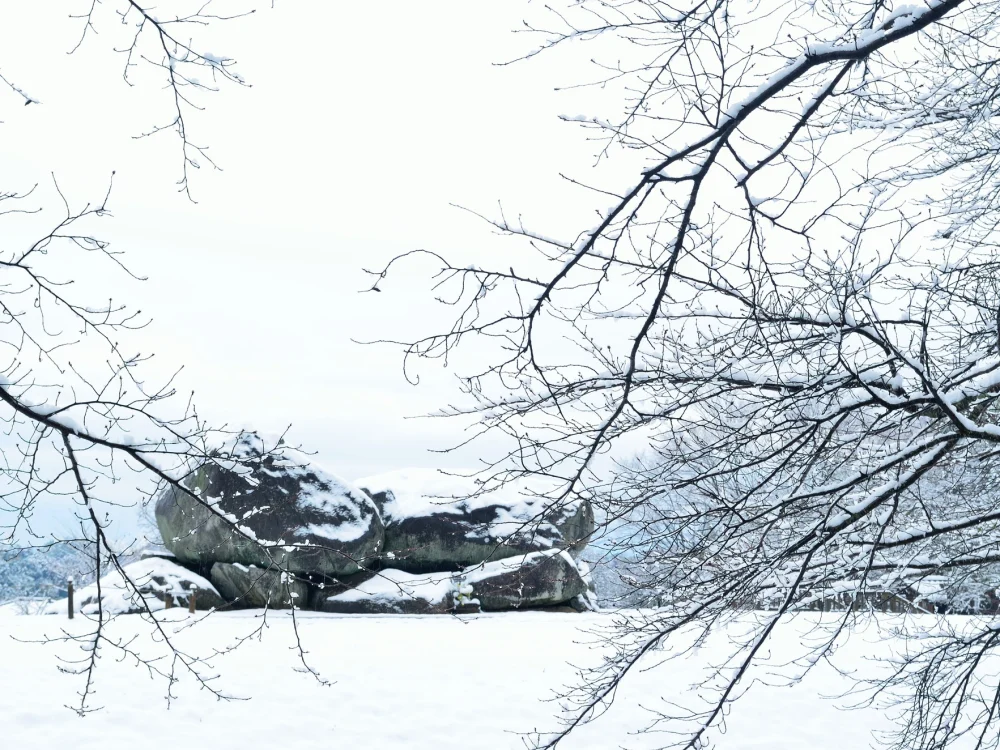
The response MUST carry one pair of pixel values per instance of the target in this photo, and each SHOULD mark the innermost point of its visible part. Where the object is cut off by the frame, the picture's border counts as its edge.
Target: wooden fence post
(191, 600)
(69, 596)
(168, 601)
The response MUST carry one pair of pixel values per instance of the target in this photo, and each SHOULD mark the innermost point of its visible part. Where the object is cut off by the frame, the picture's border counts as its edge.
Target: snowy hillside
(415, 683)
(41, 572)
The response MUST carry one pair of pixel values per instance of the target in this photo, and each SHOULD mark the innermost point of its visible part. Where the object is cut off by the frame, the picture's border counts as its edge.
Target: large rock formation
(269, 530)
(148, 584)
(392, 592)
(269, 510)
(539, 579)
(250, 586)
(435, 521)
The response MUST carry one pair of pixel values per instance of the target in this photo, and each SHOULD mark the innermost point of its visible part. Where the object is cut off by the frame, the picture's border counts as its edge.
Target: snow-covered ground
(414, 682)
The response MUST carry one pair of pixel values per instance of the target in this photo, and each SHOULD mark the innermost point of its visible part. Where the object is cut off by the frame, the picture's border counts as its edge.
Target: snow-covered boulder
(250, 586)
(156, 550)
(392, 592)
(587, 601)
(539, 579)
(291, 514)
(149, 582)
(436, 521)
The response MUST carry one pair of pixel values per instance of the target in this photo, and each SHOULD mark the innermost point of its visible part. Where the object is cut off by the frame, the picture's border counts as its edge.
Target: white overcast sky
(363, 123)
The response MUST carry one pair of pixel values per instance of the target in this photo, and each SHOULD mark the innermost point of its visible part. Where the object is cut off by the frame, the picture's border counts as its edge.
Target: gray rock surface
(539, 579)
(435, 521)
(293, 516)
(576, 524)
(587, 601)
(250, 586)
(391, 592)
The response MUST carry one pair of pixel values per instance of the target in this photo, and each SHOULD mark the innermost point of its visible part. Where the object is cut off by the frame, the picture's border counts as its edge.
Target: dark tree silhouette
(774, 361)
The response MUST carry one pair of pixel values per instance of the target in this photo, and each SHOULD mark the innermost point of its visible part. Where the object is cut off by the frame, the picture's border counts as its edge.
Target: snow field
(415, 682)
